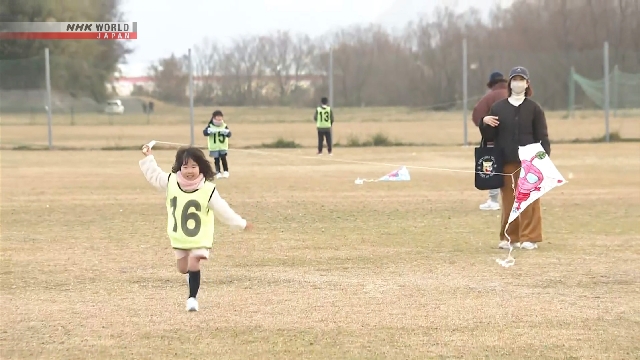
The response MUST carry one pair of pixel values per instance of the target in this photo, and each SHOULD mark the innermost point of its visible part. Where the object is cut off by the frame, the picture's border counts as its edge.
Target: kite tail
(509, 261)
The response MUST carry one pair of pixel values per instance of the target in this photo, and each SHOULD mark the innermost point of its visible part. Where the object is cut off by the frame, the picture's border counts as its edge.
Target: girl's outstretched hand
(146, 150)
(248, 227)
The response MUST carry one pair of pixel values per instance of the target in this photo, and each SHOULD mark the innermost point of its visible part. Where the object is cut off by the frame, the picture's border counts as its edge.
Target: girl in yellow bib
(192, 205)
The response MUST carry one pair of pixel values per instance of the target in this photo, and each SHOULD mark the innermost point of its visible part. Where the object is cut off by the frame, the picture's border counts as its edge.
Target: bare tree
(277, 56)
(353, 61)
(170, 79)
(302, 58)
(231, 78)
(421, 66)
(207, 58)
(247, 51)
(440, 54)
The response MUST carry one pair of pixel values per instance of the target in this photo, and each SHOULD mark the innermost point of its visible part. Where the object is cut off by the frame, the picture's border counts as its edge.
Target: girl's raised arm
(223, 211)
(152, 172)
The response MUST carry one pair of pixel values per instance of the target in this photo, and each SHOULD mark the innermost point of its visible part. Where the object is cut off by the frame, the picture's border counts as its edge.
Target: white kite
(538, 175)
(401, 174)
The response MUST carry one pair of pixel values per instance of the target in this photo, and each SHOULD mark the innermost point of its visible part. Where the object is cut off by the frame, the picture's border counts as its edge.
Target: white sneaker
(225, 174)
(218, 175)
(504, 244)
(528, 245)
(490, 205)
(192, 304)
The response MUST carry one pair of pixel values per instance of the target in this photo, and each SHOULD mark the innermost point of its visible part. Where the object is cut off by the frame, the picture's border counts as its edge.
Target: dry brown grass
(171, 115)
(333, 270)
(253, 126)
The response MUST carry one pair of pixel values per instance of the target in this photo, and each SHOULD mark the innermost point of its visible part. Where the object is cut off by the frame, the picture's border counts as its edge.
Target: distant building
(124, 85)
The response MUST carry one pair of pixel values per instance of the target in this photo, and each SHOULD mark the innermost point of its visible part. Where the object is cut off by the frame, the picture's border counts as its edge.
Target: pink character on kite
(530, 179)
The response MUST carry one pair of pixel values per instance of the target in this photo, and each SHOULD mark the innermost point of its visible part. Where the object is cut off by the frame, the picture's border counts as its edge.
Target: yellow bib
(217, 141)
(190, 222)
(323, 120)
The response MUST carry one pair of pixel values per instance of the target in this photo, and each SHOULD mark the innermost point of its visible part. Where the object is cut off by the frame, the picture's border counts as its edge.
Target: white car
(114, 107)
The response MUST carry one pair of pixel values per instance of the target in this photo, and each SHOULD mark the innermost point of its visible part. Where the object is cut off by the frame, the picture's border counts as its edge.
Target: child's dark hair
(185, 153)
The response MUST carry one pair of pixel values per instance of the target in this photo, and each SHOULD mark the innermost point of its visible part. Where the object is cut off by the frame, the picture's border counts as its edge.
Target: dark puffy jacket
(519, 126)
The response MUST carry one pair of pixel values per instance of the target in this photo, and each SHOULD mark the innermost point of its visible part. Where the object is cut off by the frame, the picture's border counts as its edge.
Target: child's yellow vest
(190, 222)
(323, 120)
(217, 141)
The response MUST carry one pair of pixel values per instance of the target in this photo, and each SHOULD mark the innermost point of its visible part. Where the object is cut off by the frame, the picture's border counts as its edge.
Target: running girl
(192, 201)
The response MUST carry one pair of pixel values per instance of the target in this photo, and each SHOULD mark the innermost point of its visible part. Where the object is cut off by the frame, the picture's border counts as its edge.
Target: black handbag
(489, 167)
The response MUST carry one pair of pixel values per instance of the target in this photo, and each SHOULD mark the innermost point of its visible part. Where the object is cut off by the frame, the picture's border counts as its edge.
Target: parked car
(114, 107)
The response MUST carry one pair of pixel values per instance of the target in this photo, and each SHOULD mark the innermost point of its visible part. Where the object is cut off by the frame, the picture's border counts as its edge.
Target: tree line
(78, 67)
(420, 65)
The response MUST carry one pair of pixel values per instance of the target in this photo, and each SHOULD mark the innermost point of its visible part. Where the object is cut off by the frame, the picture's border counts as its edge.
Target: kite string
(509, 261)
(349, 161)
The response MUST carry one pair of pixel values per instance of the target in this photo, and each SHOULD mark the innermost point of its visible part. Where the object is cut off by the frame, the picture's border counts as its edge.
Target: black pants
(225, 165)
(324, 134)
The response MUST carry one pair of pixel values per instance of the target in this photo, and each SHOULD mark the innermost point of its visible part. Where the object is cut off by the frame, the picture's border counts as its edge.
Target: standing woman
(513, 122)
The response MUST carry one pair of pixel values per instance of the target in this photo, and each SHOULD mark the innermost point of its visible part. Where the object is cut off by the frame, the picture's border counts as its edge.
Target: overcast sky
(173, 26)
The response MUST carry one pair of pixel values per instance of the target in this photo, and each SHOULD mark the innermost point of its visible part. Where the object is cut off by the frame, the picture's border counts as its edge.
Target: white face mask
(518, 86)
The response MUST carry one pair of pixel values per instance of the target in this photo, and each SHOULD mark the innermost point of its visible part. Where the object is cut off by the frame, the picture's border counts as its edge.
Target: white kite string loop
(342, 160)
(510, 260)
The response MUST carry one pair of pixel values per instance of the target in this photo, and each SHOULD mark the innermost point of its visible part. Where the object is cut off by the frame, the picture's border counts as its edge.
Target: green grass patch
(377, 139)
(281, 143)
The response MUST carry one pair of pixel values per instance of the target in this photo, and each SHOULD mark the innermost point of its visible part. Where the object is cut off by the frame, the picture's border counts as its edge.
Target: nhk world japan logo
(69, 30)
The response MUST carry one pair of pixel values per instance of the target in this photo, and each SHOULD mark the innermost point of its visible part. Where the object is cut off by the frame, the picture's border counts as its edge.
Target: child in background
(324, 122)
(218, 134)
(192, 205)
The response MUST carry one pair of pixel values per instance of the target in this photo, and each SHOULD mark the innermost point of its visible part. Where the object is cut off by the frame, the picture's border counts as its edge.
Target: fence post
(614, 91)
(191, 97)
(572, 91)
(47, 72)
(465, 69)
(606, 90)
(331, 76)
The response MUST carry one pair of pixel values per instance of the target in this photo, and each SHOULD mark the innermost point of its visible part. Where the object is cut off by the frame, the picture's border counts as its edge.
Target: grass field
(332, 270)
(254, 126)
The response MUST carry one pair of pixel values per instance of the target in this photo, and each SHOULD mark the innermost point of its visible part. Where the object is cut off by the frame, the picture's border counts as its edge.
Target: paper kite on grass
(402, 174)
